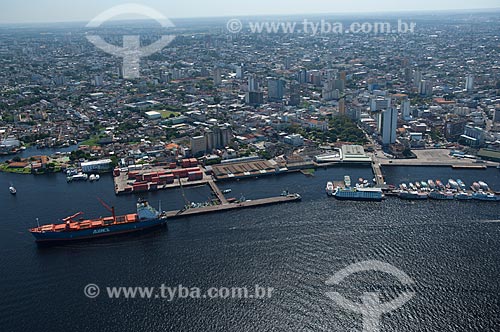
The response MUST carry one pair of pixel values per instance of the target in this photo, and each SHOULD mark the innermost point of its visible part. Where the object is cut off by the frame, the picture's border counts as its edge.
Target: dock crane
(107, 207)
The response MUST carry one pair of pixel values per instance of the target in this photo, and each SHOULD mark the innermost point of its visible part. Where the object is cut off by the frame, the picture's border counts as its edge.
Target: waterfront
(449, 248)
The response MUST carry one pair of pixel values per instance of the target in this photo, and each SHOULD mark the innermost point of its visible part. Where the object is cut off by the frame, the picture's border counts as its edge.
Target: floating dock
(233, 206)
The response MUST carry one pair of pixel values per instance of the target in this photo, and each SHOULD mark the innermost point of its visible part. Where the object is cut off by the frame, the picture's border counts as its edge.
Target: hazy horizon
(59, 11)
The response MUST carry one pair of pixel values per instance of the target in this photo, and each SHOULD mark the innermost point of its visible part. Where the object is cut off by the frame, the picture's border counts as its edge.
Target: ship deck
(86, 224)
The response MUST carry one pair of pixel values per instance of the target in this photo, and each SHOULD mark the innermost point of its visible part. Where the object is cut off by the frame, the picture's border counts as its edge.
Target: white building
(469, 83)
(405, 110)
(198, 144)
(96, 166)
(295, 140)
(380, 104)
(153, 115)
(388, 124)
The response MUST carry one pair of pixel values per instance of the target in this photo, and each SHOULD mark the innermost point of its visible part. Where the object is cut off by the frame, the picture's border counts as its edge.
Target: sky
(27, 11)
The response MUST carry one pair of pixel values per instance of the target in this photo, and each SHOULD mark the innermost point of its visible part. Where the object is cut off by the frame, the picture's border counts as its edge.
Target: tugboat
(72, 229)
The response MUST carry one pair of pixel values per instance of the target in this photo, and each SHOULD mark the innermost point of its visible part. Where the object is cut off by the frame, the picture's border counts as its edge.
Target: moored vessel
(72, 229)
(442, 195)
(358, 194)
(329, 188)
(413, 195)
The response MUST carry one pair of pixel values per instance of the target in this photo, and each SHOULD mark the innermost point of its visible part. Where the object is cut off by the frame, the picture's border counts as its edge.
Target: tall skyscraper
(217, 76)
(388, 123)
(469, 83)
(342, 106)
(276, 89)
(302, 76)
(417, 78)
(425, 88)
(253, 85)
(405, 109)
(380, 104)
(239, 72)
(98, 81)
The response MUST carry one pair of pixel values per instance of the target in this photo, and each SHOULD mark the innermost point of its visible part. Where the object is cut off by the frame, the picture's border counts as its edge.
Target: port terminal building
(346, 154)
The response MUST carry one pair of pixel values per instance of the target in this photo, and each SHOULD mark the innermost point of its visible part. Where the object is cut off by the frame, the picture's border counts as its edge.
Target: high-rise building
(469, 83)
(253, 85)
(198, 145)
(339, 85)
(239, 72)
(407, 75)
(217, 137)
(379, 104)
(217, 75)
(302, 76)
(342, 106)
(417, 78)
(388, 124)
(343, 76)
(294, 95)
(496, 114)
(98, 81)
(254, 98)
(406, 109)
(425, 88)
(276, 89)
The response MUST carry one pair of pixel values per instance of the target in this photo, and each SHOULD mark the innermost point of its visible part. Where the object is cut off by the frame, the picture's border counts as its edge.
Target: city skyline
(29, 11)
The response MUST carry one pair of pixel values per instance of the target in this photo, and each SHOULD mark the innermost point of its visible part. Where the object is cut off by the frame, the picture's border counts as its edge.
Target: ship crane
(107, 207)
(71, 218)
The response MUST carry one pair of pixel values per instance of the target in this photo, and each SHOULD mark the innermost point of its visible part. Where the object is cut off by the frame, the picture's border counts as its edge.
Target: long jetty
(232, 206)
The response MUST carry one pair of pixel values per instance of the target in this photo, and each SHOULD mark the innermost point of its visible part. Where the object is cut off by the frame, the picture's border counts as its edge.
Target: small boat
(484, 186)
(226, 191)
(92, 177)
(412, 186)
(403, 186)
(12, 190)
(97, 177)
(453, 184)
(461, 184)
(424, 184)
(439, 184)
(329, 188)
(431, 183)
(418, 185)
(475, 186)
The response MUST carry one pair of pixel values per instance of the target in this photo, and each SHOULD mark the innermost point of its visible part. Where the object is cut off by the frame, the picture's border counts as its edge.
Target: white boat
(329, 188)
(484, 186)
(78, 177)
(226, 191)
(12, 190)
(453, 184)
(92, 177)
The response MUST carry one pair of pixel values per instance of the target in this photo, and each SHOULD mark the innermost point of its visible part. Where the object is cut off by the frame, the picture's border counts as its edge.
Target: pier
(233, 206)
(215, 189)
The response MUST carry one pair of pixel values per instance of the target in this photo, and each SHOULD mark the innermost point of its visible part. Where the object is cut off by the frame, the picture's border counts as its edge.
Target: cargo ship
(72, 229)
